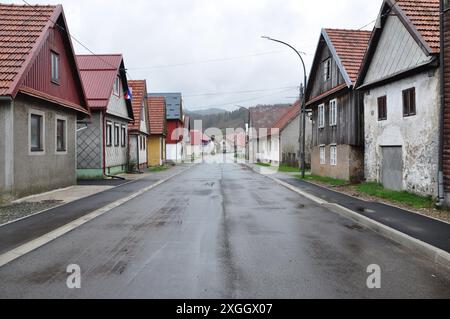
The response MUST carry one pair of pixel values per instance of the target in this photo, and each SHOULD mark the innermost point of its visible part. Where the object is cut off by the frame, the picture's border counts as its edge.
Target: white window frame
(323, 154)
(61, 118)
(55, 65)
(333, 155)
(116, 137)
(42, 114)
(333, 112)
(109, 136)
(116, 88)
(123, 129)
(321, 116)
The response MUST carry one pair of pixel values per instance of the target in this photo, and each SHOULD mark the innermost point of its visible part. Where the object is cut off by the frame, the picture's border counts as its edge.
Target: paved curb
(439, 256)
(24, 249)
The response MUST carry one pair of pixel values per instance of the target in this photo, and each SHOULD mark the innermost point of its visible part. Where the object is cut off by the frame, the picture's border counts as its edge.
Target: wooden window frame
(41, 149)
(64, 120)
(327, 70)
(109, 133)
(322, 155)
(382, 108)
(333, 112)
(55, 58)
(409, 102)
(321, 116)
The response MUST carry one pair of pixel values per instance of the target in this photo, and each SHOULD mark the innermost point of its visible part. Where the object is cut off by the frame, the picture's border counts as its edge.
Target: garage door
(392, 167)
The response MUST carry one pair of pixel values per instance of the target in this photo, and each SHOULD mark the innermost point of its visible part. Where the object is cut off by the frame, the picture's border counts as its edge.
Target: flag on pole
(129, 94)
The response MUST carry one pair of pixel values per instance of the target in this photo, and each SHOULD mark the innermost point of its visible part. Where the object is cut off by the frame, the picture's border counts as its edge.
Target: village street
(222, 231)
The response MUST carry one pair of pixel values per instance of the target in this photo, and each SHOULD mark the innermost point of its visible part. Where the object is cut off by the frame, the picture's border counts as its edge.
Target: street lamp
(302, 137)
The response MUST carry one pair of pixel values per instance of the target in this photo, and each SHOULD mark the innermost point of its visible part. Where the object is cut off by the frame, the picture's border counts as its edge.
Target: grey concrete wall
(40, 173)
(90, 144)
(417, 135)
(5, 135)
(290, 143)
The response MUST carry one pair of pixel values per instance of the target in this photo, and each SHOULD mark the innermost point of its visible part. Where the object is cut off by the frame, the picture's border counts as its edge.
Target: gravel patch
(12, 212)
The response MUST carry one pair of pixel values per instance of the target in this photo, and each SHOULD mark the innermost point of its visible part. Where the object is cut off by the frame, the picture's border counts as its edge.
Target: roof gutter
(441, 191)
(6, 98)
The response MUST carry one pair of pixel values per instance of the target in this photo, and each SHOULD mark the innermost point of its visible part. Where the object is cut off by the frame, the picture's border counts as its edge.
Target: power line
(238, 92)
(248, 100)
(207, 61)
(382, 16)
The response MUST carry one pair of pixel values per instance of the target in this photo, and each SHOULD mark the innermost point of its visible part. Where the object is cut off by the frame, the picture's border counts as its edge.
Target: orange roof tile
(139, 93)
(287, 118)
(157, 115)
(350, 46)
(424, 16)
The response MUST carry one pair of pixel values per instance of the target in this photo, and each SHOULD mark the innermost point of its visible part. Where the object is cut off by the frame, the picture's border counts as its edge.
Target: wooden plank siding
(350, 123)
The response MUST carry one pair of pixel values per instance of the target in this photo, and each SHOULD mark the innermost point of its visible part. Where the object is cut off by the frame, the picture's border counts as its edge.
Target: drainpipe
(441, 193)
(104, 142)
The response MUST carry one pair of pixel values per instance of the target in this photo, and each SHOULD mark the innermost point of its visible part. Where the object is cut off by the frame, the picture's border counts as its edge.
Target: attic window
(55, 67)
(117, 86)
(327, 69)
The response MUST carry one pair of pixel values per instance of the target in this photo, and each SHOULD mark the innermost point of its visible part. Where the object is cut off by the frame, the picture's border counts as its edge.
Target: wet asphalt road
(222, 231)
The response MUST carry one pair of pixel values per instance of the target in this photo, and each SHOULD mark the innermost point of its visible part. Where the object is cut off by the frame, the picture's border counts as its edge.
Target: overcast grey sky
(201, 47)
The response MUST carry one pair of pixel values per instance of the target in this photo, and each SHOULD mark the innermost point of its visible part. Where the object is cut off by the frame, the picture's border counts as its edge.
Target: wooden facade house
(103, 142)
(337, 108)
(138, 131)
(158, 130)
(401, 80)
(41, 100)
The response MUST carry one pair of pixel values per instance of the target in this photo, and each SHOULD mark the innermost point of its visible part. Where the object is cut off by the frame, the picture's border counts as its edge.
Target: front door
(392, 168)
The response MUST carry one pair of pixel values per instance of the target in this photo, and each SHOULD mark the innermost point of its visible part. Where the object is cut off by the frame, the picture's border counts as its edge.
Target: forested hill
(221, 119)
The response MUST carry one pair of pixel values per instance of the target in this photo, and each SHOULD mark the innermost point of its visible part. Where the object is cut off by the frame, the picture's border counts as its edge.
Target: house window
(333, 155)
(323, 159)
(117, 86)
(124, 136)
(321, 115)
(108, 134)
(333, 113)
(36, 131)
(55, 66)
(61, 135)
(116, 134)
(409, 102)
(327, 69)
(382, 108)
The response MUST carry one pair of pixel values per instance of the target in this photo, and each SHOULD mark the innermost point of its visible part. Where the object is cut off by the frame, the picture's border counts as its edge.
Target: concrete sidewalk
(428, 230)
(24, 230)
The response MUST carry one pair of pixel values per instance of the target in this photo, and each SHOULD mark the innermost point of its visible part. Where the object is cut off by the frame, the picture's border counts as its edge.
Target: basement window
(333, 155)
(323, 158)
(382, 108)
(409, 102)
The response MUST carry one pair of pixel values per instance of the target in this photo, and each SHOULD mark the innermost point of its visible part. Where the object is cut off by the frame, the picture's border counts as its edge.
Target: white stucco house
(400, 77)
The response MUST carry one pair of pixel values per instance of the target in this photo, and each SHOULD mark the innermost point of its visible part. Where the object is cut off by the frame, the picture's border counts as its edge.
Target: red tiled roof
(20, 29)
(424, 16)
(139, 92)
(98, 73)
(287, 118)
(157, 115)
(263, 117)
(350, 46)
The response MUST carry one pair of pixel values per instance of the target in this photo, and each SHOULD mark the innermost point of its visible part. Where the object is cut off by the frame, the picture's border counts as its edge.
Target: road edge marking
(438, 255)
(36, 243)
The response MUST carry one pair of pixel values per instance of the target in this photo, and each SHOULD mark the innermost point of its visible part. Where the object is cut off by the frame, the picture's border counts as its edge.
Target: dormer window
(117, 86)
(327, 69)
(55, 67)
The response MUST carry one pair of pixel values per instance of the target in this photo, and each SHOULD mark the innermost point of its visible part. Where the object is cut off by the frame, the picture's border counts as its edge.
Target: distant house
(175, 126)
(41, 99)
(158, 130)
(337, 108)
(103, 142)
(288, 134)
(400, 76)
(138, 131)
(198, 144)
(261, 147)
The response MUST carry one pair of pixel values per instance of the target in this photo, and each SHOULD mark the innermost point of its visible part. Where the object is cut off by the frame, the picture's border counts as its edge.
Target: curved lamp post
(302, 137)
